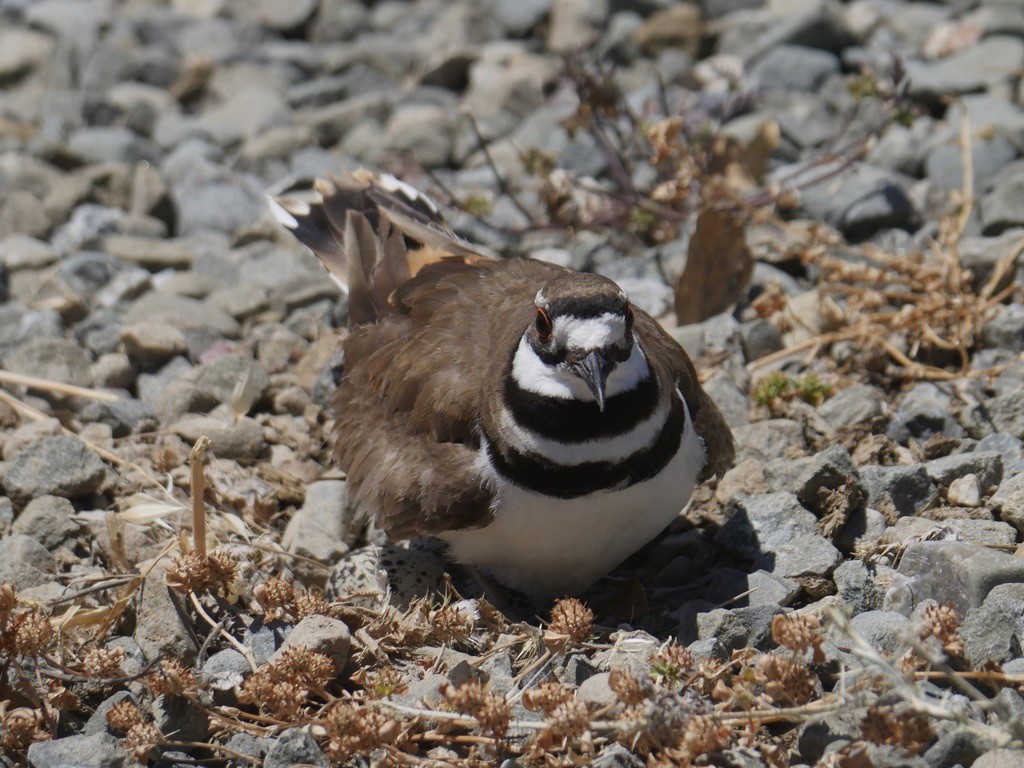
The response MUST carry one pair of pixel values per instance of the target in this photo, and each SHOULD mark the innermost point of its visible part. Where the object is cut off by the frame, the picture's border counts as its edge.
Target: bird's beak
(594, 370)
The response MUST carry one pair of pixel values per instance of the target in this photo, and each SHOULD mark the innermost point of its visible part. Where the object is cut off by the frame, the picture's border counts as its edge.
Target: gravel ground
(880, 473)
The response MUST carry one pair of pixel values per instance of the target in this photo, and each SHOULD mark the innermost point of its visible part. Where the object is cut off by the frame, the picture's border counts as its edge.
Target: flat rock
(908, 488)
(47, 519)
(853, 405)
(100, 750)
(321, 634)
(160, 629)
(151, 253)
(987, 467)
(766, 440)
(60, 360)
(24, 562)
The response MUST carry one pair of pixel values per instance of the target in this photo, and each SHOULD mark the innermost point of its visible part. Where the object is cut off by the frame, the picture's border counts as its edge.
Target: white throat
(534, 375)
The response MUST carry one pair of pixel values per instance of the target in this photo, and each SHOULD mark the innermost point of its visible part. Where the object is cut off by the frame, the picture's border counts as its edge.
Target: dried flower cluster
(195, 572)
(353, 730)
(572, 620)
(942, 622)
(282, 688)
(491, 711)
(282, 600)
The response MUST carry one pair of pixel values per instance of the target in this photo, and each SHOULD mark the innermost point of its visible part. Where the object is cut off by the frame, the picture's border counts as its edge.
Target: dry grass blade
(46, 385)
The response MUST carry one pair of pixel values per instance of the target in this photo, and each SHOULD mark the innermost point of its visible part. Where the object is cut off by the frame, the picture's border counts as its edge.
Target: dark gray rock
(794, 68)
(769, 439)
(24, 562)
(908, 488)
(881, 629)
(1006, 329)
(817, 735)
(161, 628)
(967, 71)
(954, 572)
(1009, 448)
(760, 338)
(987, 467)
(225, 670)
(178, 715)
(995, 630)
(324, 528)
(60, 465)
(958, 746)
(47, 519)
(99, 750)
(858, 201)
(812, 477)
(97, 722)
(944, 165)
(860, 586)
(264, 639)
(223, 375)
(853, 405)
(1000, 209)
(730, 399)
(124, 417)
(778, 535)
(1002, 413)
(55, 359)
(925, 410)
(294, 746)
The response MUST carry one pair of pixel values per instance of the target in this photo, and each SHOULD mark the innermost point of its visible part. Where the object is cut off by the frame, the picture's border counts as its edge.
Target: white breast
(550, 546)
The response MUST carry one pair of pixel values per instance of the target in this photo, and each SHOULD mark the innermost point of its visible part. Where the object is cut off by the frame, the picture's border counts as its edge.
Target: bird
(529, 416)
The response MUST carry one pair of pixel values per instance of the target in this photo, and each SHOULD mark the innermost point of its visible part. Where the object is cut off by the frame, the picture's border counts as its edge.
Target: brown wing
(707, 419)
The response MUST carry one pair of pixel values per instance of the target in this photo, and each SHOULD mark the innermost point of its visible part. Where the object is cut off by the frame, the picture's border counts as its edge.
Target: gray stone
(21, 50)
(1001, 208)
(54, 359)
(323, 529)
(769, 439)
(760, 338)
(221, 206)
(264, 639)
(24, 562)
(987, 467)
(179, 716)
(596, 692)
(1009, 448)
(97, 722)
(860, 585)
(775, 532)
(124, 417)
(858, 201)
(853, 405)
(321, 634)
(160, 629)
(55, 466)
(47, 519)
(99, 750)
(1006, 329)
(908, 488)
(995, 630)
(19, 327)
(1002, 413)
(24, 252)
(617, 756)
(954, 572)
(153, 343)
(182, 312)
(1001, 758)
(881, 629)
(294, 747)
(730, 399)
(225, 670)
(1008, 500)
(425, 132)
(971, 69)
(241, 439)
(810, 478)
(109, 144)
(112, 371)
(958, 746)
(944, 165)
(223, 375)
(925, 410)
(794, 68)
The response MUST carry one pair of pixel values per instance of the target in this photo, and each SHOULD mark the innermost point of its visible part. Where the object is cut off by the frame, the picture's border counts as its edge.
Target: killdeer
(527, 415)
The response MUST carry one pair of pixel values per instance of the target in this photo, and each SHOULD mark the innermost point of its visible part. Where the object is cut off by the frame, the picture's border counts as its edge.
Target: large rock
(908, 488)
(775, 532)
(100, 750)
(60, 465)
(323, 529)
(954, 572)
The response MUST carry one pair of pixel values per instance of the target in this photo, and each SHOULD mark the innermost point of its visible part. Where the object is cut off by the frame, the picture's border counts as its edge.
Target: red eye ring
(543, 325)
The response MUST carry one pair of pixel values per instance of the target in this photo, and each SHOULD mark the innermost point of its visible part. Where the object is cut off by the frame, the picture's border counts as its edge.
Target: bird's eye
(543, 325)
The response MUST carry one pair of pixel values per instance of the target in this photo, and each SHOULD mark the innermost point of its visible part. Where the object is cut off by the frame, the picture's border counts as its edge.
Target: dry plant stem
(213, 748)
(502, 183)
(46, 385)
(195, 460)
(223, 633)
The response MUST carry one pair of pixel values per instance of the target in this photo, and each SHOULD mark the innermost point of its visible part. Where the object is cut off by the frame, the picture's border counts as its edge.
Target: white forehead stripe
(590, 332)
